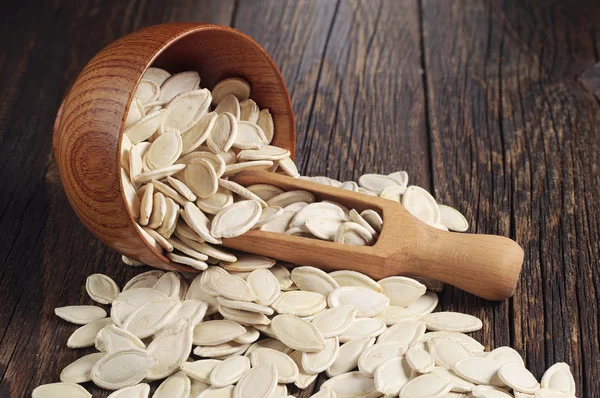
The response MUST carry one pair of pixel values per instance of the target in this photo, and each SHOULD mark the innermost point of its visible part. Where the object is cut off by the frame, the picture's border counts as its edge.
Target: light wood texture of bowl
(90, 122)
(485, 265)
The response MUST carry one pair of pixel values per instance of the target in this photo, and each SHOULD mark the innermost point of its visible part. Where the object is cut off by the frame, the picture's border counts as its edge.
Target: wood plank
(47, 253)
(367, 114)
(515, 146)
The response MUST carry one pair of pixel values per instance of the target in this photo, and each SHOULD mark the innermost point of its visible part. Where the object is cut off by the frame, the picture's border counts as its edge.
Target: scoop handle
(485, 265)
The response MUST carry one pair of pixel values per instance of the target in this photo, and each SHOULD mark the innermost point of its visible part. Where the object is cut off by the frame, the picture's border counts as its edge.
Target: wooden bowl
(90, 122)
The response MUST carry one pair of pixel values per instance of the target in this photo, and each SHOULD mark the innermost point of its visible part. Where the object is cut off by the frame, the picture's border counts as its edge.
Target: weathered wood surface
(488, 104)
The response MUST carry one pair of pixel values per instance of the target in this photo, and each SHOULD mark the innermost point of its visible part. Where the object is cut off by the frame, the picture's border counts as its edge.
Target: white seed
(147, 91)
(235, 168)
(241, 191)
(80, 370)
(197, 387)
(264, 285)
(504, 355)
(351, 384)
(478, 370)
(60, 390)
(392, 375)
(348, 355)
(458, 383)
(143, 280)
(407, 332)
(425, 304)
(208, 250)
(157, 75)
(219, 201)
(231, 287)
(151, 317)
(373, 218)
(245, 306)
(267, 152)
(80, 314)
(447, 352)
(452, 322)
(182, 188)
(353, 278)
(518, 378)
(229, 371)
(393, 192)
(159, 209)
(363, 327)
(351, 233)
(236, 219)
(317, 362)
(171, 347)
(313, 280)
(249, 111)
(467, 341)
(233, 85)
(368, 303)
(197, 221)
(192, 262)
(223, 133)
(559, 377)
(197, 134)
(169, 284)
(453, 219)
(122, 369)
(393, 315)
(287, 370)
(179, 83)
(135, 113)
(85, 336)
(426, 386)
(229, 104)
(376, 182)
(324, 227)
(288, 166)
(265, 121)
(324, 394)
(421, 204)
(290, 197)
(216, 332)
(131, 199)
(297, 333)
(138, 391)
(112, 339)
(371, 357)
(264, 191)
(299, 303)
(244, 317)
(252, 334)
(402, 291)
(269, 214)
(259, 382)
(280, 224)
(249, 136)
(145, 127)
(178, 385)
(193, 310)
(216, 161)
(489, 392)
(202, 178)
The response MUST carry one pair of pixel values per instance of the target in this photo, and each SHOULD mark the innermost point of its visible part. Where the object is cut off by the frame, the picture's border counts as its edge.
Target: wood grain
(480, 101)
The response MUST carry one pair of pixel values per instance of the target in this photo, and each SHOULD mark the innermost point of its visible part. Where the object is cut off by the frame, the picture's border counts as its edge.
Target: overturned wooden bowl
(90, 122)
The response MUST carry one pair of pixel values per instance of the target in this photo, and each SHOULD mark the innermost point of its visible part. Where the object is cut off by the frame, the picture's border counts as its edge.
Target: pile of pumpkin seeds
(247, 326)
(248, 329)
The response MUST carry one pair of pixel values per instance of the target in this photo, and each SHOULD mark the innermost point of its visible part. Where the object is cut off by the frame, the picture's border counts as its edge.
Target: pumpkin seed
(178, 385)
(363, 327)
(249, 111)
(367, 302)
(354, 278)
(264, 285)
(453, 219)
(170, 347)
(122, 369)
(259, 382)
(518, 378)
(80, 314)
(559, 377)
(233, 85)
(223, 133)
(229, 371)
(236, 219)
(421, 204)
(151, 317)
(287, 370)
(373, 356)
(297, 333)
(85, 336)
(348, 355)
(60, 390)
(426, 386)
(80, 370)
(402, 291)
(145, 127)
(317, 362)
(352, 384)
(138, 391)
(392, 375)
(452, 322)
(179, 83)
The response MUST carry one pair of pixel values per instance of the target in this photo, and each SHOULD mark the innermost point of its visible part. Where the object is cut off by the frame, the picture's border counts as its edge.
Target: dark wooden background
(488, 104)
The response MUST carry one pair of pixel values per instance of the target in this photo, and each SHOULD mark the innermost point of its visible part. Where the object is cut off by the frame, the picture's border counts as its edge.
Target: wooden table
(489, 105)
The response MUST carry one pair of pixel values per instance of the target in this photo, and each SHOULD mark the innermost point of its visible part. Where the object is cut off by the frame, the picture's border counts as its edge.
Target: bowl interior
(216, 53)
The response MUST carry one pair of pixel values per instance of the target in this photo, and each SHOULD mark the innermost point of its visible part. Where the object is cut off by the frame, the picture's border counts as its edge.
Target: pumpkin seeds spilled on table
(184, 143)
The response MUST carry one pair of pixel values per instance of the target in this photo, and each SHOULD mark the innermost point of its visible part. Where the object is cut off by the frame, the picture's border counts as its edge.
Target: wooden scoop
(485, 265)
